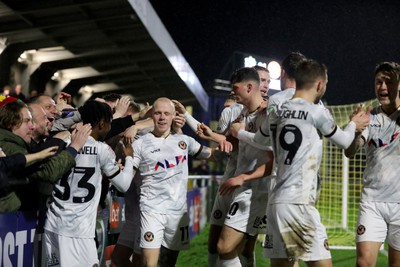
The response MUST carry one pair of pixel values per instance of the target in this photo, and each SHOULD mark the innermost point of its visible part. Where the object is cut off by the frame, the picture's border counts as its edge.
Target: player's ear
(320, 86)
(101, 124)
(283, 73)
(249, 87)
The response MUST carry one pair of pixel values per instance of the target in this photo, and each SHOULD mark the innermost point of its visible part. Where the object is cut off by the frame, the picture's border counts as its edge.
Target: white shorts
(295, 232)
(247, 211)
(220, 209)
(378, 221)
(168, 230)
(69, 251)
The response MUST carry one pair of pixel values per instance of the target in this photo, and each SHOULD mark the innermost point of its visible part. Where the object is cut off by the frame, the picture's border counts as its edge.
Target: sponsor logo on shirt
(375, 125)
(380, 143)
(170, 163)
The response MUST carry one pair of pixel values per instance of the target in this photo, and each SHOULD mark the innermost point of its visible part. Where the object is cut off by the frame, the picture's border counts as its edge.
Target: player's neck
(161, 134)
(389, 109)
(254, 104)
(304, 94)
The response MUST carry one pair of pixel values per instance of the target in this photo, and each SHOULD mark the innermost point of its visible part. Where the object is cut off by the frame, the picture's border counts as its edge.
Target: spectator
(15, 136)
(14, 163)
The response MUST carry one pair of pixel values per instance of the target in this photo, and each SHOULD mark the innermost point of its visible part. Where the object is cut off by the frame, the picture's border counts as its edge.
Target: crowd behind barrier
(21, 240)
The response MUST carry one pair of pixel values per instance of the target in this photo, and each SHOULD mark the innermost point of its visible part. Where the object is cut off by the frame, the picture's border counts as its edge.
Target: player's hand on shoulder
(80, 135)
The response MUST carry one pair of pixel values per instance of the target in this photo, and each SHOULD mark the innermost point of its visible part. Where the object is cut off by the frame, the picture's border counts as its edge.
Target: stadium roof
(91, 47)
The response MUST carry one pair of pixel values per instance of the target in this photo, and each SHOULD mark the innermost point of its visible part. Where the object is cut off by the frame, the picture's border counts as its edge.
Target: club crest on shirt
(182, 145)
(217, 214)
(250, 126)
(148, 236)
(360, 229)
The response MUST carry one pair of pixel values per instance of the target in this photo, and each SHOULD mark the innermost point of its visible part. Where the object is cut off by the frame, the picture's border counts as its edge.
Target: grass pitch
(197, 255)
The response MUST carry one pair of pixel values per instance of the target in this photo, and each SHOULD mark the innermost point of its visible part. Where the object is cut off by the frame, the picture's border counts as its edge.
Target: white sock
(212, 259)
(235, 262)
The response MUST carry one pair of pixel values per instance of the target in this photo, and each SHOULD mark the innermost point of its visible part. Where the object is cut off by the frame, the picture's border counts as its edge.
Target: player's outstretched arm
(45, 153)
(205, 132)
(358, 141)
(344, 139)
(123, 179)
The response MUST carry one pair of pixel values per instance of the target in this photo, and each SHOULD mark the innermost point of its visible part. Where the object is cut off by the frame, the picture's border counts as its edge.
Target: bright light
(262, 64)
(249, 62)
(274, 69)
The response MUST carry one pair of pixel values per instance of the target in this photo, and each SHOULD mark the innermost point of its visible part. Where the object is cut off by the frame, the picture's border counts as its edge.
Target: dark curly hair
(94, 112)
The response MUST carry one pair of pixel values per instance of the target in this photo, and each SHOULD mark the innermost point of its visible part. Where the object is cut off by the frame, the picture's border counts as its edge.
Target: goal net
(341, 185)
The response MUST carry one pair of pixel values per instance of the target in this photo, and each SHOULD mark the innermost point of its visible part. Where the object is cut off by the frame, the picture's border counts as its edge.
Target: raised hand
(130, 133)
(178, 123)
(145, 112)
(121, 107)
(80, 135)
(179, 107)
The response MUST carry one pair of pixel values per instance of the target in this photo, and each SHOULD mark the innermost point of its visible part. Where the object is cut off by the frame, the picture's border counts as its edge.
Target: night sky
(350, 37)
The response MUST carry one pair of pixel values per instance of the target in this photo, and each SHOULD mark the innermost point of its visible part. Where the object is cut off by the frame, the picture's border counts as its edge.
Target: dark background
(350, 37)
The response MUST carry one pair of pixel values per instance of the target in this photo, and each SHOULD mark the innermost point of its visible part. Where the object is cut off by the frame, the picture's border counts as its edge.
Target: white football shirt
(228, 115)
(162, 163)
(382, 146)
(250, 157)
(76, 195)
(294, 129)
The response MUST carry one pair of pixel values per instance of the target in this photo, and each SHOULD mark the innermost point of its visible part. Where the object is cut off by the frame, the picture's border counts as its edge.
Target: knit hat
(4, 100)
